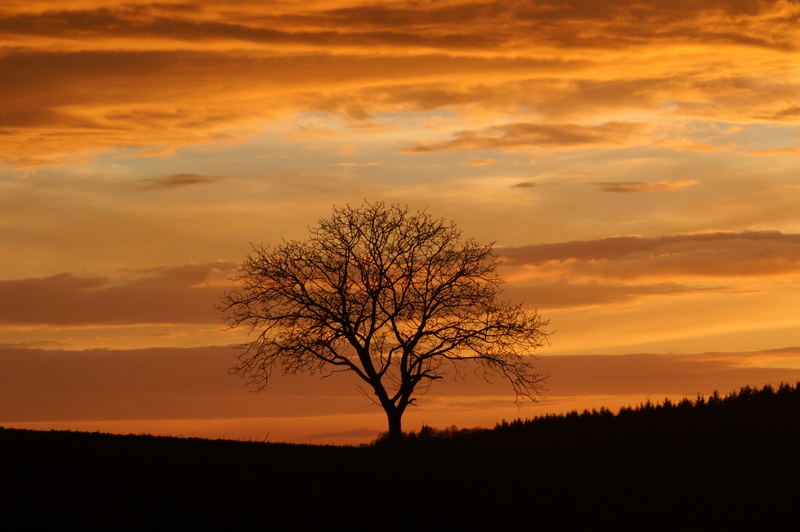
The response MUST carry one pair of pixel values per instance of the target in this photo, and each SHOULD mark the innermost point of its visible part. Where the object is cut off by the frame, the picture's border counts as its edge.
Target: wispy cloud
(105, 384)
(712, 255)
(84, 82)
(477, 161)
(184, 294)
(776, 151)
(556, 293)
(641, 186)
(560, 275)
(176, 180)
(534, 135)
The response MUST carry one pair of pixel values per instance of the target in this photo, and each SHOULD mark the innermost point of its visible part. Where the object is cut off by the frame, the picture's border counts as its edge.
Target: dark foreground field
(708, 464)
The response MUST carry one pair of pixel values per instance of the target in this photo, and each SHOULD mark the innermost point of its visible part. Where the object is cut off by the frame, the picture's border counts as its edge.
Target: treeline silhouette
(748, 412)
(704, 463)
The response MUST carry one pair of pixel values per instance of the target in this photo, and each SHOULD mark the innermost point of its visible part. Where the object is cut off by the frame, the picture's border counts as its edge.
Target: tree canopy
(396, 297)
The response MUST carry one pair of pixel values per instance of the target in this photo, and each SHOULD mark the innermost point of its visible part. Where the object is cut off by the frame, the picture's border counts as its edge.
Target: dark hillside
(694, 464)
(748, 413)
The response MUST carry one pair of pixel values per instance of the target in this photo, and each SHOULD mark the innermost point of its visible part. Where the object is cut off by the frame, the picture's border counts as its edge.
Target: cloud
(159, 383)
(17, 118)
(563, 293)
(560, 275)
(647, 373)
(154, 100)
(126, 22)
(52, 385)
(524, 184)
(184, 294)
(461, 24)
(477, 161)
(176, 180)
(349, 165)
(789, 113)
(153, 76)
(565, 90)
(720, 254)
(669, 374)
(641, 186)
(777, 151)
(162, 152)
(535, 135)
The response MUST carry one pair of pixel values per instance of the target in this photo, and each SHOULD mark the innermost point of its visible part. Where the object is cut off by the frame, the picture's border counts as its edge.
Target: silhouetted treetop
(390, 295)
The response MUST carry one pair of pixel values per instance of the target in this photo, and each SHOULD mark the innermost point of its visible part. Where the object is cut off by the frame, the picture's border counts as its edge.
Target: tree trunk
(395, 416)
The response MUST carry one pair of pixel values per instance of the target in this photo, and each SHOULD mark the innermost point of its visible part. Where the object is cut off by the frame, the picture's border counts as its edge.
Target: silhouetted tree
(388, 294)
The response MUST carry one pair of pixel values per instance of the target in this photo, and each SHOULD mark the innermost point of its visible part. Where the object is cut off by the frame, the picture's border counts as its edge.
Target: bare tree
(390, 295)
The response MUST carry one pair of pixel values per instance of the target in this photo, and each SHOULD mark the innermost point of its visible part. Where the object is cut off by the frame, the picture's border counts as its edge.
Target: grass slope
(711, 462)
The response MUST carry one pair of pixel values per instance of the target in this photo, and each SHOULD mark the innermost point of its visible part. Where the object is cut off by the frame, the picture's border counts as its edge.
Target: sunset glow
(637, 165)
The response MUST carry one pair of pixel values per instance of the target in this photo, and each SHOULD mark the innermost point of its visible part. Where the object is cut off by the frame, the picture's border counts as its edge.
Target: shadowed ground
(696, 463)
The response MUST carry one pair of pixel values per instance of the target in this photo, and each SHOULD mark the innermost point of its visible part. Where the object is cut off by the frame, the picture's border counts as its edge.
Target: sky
(635, 164)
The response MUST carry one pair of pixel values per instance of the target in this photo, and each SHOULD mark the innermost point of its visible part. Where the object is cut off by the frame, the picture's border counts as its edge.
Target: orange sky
(637, 167)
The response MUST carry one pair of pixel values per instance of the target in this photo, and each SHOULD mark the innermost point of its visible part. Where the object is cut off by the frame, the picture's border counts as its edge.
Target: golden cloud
(641, 186)
(176, 180)
(535, 135)
(161, 295)
(562, 293)
(562, 275)
(477, 161)
(90, 77)
(42, 385)
(460, 24)
(720, 254)
(777, 151)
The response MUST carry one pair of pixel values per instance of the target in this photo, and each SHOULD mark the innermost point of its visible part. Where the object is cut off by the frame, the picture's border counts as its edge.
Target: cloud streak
(477, 161)
(563, 275)
(159, 75)
(641, 186)
(552, 276)
(42, 385)
(776, 151)
(535, 135)
(176, 180)
(184, 294)
(560, 293)
(357, 165)
(719, 254)
(613, 24)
